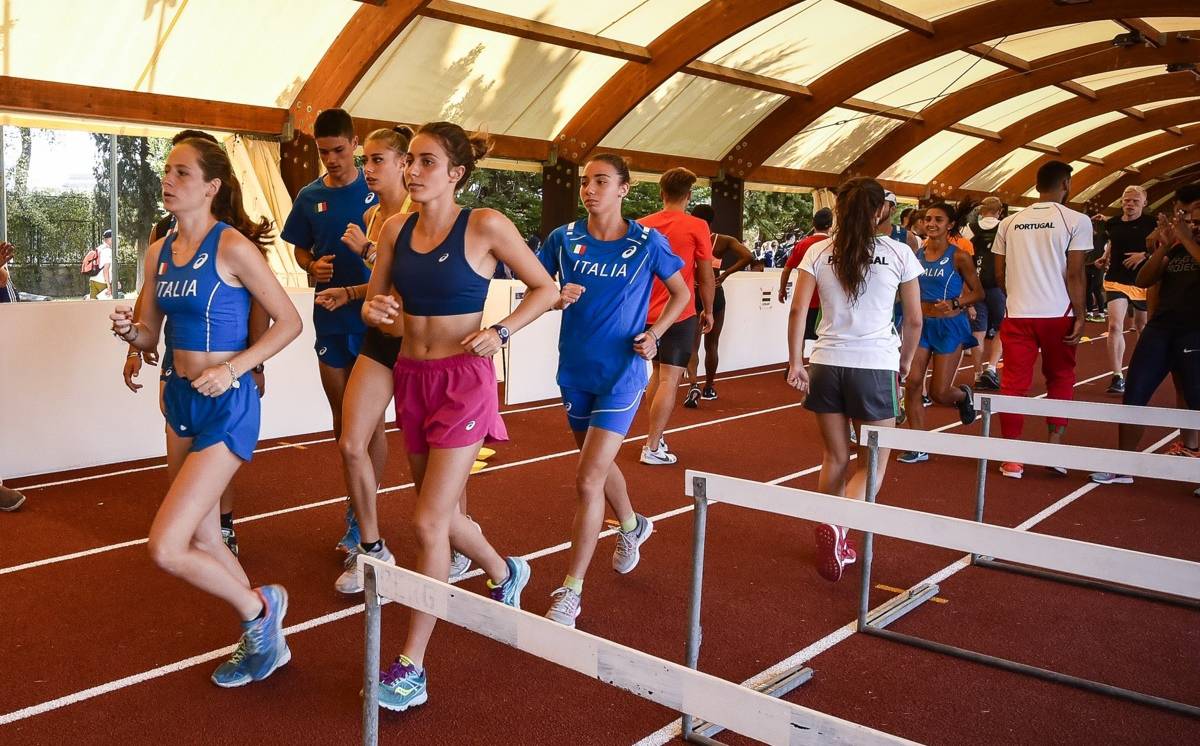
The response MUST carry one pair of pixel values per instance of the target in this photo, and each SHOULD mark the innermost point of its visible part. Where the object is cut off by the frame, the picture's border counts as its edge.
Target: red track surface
(88, 621)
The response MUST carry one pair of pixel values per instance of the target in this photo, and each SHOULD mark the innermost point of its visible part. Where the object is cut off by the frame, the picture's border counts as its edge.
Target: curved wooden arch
(1114, 98)
(953, 32)
(1101, 137)
(1138, 151)
(1167, 187)
(1073, 63)
(700, 31)
(1153, 170)
(366, 35)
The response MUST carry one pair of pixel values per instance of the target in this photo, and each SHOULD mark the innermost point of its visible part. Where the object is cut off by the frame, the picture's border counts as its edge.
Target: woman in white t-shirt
(858, 353)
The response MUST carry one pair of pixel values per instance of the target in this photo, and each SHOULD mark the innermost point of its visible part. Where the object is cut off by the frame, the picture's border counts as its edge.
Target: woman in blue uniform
(949, 286)
(606, 265)
(204, 277)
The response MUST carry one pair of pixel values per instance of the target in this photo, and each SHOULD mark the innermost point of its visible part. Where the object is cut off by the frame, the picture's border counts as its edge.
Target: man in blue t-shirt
(320, 214)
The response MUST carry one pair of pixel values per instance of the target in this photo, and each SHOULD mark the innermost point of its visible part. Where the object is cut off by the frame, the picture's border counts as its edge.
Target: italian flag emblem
(162, 268)
(322, 207)
(578, 249)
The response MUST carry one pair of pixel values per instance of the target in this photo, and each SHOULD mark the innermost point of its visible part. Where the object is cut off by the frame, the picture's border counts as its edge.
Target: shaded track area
(108, 649)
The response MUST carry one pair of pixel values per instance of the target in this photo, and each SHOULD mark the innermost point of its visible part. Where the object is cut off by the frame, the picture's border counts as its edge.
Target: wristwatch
(955, 304)
(503, 331)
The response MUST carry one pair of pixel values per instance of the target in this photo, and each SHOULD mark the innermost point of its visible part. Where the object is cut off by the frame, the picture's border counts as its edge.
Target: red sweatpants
(1021, 340)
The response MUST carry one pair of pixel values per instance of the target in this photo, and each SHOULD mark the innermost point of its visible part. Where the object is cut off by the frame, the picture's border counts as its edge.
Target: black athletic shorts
(675, 347)
(1111, 295)
(1161, 351)
(718, 301)
(810, 322)
(381, 348)
(860, 393)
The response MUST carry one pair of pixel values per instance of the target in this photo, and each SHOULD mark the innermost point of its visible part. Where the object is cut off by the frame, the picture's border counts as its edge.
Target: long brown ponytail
(227, 205)
(858, 202)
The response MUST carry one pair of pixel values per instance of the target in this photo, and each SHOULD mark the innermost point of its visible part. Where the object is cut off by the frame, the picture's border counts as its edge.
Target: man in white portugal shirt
(1039, 258)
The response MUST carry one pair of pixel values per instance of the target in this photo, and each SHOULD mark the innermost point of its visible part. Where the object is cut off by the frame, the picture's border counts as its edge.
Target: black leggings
(1159, 352)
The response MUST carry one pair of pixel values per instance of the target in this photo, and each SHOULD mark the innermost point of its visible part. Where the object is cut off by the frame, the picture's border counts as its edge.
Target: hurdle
(738, 708)
(1109, 578)
(1167, 575)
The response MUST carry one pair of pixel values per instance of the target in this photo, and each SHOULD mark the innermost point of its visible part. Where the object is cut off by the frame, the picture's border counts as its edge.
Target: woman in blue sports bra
(949, 286)
(203, 278)
(440, 263)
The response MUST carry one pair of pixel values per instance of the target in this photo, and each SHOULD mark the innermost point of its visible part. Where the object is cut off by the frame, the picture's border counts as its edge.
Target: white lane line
(341, 499)
(317, 441)
(828, 641)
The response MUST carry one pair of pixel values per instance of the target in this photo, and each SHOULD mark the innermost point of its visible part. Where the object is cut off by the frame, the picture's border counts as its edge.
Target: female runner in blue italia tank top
(440, 261)
(203, 278)
(949, 286)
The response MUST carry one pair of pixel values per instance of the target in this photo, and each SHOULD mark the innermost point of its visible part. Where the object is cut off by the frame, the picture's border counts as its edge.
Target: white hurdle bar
(1164, 574)
(1184, 419)
(1138, 569)
(738, 708)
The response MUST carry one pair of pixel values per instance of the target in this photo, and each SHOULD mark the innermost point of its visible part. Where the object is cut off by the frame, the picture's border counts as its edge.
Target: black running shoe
(1117, 386)
(709, 394)
(692, 400)
(988, 381)
(926, 400)
(230, 539)
(966, 407)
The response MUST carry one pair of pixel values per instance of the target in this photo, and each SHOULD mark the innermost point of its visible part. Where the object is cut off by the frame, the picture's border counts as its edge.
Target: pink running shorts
(447, 403)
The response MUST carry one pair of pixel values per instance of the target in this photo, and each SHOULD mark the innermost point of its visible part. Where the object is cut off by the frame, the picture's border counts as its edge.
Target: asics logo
(370, 198)
(443, 257)
(322, 351)
(183, 427)
(568, 406)
(200, 261)
(471, 425)
(944, 260)
(628, 252)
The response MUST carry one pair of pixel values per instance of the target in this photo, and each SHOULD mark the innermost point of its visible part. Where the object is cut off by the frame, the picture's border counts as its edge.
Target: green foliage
(140, 163)
(772, 215)
(517, 194)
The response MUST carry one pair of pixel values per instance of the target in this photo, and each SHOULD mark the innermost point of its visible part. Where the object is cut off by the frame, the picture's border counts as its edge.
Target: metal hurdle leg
(903, 603)
(699, 731)
(371, 664)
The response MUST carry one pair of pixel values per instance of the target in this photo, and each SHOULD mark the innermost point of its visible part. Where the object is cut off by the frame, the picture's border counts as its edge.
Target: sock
(575, 584)
(371, 546)
(490, 584)
(628, 524)
(227, 520)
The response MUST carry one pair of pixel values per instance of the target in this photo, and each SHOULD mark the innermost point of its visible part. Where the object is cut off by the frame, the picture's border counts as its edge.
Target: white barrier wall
(64, 405)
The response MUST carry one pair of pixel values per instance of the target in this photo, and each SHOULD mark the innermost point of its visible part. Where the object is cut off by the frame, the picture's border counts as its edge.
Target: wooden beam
(1093, 160)
(1000, 57)
(1133, 113)
(1078, 89)
(507, 147)
(1153, 36)
(966, 129)
(1142, 150)
(1155, 169)
(524, 28)
(892, 14)
(891, 112)
(745, 79)
(45, 97)
(1172, 130)
(1042, 148)
(368, 34)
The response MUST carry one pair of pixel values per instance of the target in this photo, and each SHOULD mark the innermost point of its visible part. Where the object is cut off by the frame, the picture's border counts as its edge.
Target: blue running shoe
(352, 538)
(509, 592)
(402, 686)
(264, 636)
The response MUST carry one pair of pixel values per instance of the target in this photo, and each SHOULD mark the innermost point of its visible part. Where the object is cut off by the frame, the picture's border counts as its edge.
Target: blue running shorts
(338, 350)
(943, 336)
(613, 412)
(232, 418)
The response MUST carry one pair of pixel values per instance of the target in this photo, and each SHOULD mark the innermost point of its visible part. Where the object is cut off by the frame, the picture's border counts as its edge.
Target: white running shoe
(628, 551)
(566, 607)
(1104, 477)
(460, 563)
(350, 581)
(658, 456)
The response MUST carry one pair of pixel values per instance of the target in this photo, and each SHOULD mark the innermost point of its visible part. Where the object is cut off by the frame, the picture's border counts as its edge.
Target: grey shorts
(859, 393)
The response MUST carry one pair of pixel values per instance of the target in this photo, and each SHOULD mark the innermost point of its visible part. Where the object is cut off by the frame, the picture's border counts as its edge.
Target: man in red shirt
(822, 222)
(689, 239)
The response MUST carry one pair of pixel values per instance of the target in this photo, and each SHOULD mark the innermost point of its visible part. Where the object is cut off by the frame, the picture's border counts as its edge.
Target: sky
(62, 159)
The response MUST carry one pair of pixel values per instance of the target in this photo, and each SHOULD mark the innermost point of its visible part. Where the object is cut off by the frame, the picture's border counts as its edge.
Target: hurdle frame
(924, 441)
(671, 684)
(693, 731)
(989, 404)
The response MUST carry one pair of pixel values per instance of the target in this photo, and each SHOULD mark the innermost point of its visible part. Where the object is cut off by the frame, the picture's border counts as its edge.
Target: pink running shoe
(834, 552)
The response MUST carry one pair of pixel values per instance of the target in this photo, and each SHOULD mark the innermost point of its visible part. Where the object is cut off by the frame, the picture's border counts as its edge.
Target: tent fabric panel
(926, 84)
(1071, 131)
(692, 117)
(633, 21)
(1001, 115)
(833, 142)
(997, 173)
(480, 79)
(1031, 45)
(929, 158)
(803, 42)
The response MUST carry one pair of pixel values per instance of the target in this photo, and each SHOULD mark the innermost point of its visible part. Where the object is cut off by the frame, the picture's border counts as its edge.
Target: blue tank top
(440, 282)
(941, 279)
(204, 313)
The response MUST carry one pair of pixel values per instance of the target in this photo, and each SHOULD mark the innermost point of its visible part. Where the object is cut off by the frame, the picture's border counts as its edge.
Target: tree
(772, 215)
(517, 194)
(139, 181)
